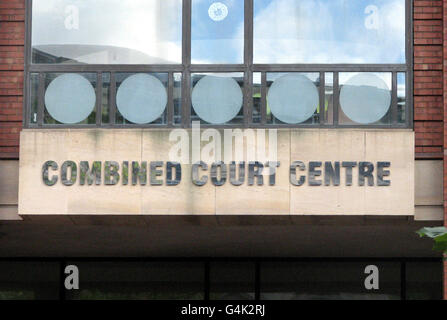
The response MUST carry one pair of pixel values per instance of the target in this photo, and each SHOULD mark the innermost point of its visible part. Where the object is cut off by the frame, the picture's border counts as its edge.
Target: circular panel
(365, 98)
(218, 11)
(293, 98)
(217, 100)
(70, 98)
(141, 98)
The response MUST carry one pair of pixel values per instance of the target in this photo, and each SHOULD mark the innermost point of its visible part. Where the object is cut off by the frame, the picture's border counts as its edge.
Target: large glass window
(250, 63)
(107, 31)
(328, 31)
(139, 281)
(217, 31)
(328, 281)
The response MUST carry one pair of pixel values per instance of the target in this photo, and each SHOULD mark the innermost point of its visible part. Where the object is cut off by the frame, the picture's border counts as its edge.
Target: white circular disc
(293, 98)
(365, 98)
(217, 100)
(218, 11)
(70, 98)
(141, 98)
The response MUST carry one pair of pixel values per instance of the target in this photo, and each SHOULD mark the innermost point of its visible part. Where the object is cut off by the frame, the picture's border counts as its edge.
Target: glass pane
(401, 97)
(29, 281)
(217, 98)
(293, 98)
(424, 280)
(329, 97)
(327, 281)
(257, 94)
(139, 281)
(70, 98)
(141, 98)
(177, 98)
(365, 98)
(232, 281)
(328, 31)
(105, 98)
(94, 32)
(217, 31)
(34, 98)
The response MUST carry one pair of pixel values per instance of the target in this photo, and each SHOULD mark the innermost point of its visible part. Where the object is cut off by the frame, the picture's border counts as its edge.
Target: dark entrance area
(222, 279)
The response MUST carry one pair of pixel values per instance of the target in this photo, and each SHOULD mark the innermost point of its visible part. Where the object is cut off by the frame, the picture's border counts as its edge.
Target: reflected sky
(286, 31)
(329, 31)
(109, 31)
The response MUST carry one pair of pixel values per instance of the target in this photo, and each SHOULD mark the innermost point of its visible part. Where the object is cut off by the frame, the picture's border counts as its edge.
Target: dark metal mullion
(248, 61)
(112, 101)
(394, 99)
(336, 97)
(170, 108)
(322, 98)
(89, 68)
(99, 99)
(329, 67)
(41, 102)
(263, 98)
(186, 61)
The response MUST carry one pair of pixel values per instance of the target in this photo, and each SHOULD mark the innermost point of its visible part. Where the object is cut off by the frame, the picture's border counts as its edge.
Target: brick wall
(428, 89)
(12, 34)
(445, 130)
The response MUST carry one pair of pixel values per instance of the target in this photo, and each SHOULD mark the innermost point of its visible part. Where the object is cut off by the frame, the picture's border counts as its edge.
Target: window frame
(248, 68)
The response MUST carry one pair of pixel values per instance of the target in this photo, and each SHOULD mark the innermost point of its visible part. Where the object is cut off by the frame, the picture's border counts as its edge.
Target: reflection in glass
(365, 98)
(327, 281)
(177, 98)
(139, 281)
(94, 32)
(141, 98)
(424, 281)
(217, 99)
(29, 280)
(105, 98)
(257, 97)
(217, 31)
(329, 98)
(34, 97)
(401, 97)
(328, 31)
(293, 98)
(70, 98)
(232, 281)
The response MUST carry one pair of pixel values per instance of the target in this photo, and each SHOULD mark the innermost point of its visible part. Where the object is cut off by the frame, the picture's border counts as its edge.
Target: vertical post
(186, 61)
(248, 62)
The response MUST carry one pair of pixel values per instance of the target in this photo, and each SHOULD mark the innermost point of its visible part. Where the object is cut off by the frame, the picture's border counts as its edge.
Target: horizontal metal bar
(105, 68)
(224, 126)
(330, 67)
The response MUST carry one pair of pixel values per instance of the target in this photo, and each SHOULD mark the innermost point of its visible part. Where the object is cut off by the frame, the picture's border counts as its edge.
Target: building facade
(312, 152)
